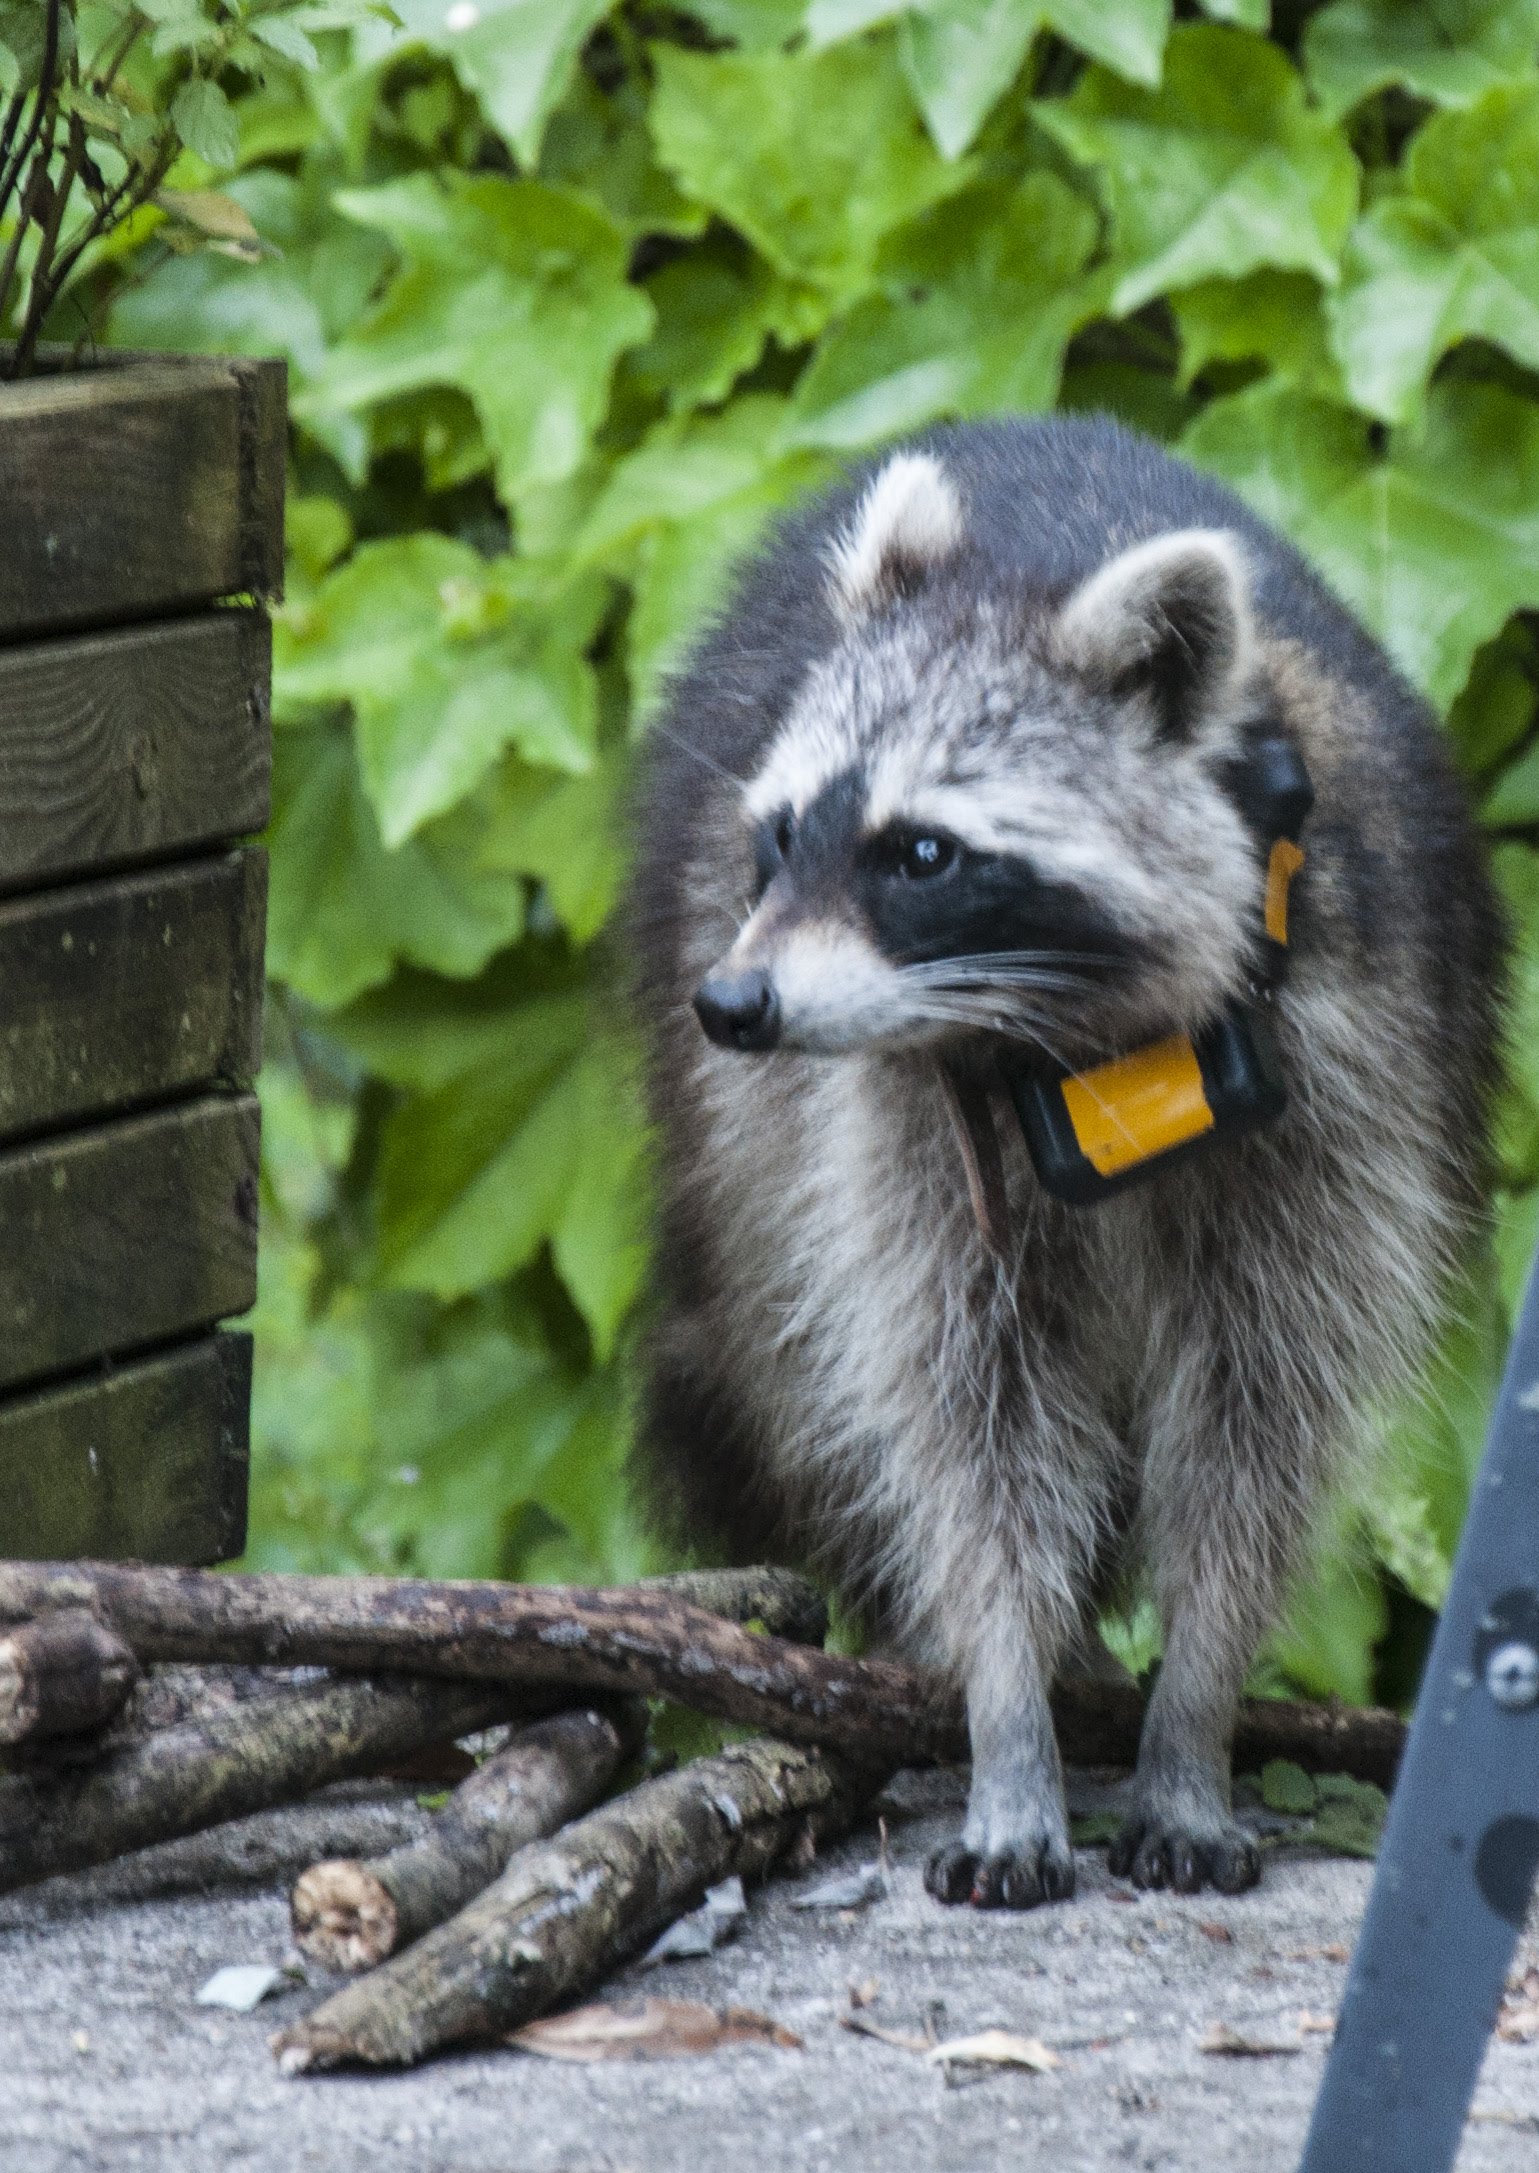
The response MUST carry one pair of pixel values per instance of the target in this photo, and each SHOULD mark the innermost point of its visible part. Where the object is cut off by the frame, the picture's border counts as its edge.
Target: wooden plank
(138, 486)
(132, 746)
(126, 1234)
(144, 1462)
(130, 990)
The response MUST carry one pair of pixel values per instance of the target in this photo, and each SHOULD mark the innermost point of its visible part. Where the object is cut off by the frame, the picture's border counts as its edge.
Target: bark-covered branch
(244, 1756)
(350, 1915)
(1099, 1723)
(60, 1676)
(632, 1641)
(778, 1600)
(567, 1911)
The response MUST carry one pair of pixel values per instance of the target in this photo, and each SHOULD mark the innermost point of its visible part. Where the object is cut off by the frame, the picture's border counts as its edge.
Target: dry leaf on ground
(1220, 1934)
(996, 2048)
(1219, 2037)
(1312, 2025)
(1335, 1952)
(649, 2029)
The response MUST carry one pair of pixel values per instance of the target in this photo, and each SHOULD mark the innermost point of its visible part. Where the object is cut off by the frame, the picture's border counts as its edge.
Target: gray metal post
(1462, 1841)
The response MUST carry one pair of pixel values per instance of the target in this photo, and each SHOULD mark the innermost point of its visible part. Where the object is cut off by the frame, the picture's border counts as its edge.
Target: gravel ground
(108, 2063)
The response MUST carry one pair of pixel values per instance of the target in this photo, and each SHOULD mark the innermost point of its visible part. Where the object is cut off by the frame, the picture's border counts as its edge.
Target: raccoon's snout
(739, 1010)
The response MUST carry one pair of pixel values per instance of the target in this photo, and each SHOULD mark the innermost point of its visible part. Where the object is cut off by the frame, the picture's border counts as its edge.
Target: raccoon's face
(998, 814)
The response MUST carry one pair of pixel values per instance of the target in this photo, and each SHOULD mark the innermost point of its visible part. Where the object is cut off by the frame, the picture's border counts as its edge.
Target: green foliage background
(573, 298)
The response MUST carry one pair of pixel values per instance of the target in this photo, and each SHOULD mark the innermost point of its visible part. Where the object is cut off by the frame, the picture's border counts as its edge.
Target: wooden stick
(637, 1642)
(566, 1911)
(61, 1675)
(630, 1641)
(1099, 1724)
(245, 1756)
(349, 1915)
(778, 1600)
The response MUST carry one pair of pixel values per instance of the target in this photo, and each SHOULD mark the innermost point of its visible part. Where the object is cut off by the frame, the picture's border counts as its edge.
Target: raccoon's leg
(1233, 1472)
(1014, 1850)
(1010, 1544)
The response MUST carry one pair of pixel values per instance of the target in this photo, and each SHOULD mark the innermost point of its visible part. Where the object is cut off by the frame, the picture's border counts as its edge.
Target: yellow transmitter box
(1090, 1133)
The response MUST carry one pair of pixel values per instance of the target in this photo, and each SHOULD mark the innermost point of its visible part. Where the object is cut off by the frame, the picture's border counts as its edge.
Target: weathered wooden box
(141, 510)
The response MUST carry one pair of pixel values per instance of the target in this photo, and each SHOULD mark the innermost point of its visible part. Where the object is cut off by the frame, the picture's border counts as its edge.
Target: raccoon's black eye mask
(927, 897)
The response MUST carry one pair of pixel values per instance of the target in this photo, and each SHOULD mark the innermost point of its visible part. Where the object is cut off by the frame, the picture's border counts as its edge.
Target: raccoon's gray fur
(955, 766)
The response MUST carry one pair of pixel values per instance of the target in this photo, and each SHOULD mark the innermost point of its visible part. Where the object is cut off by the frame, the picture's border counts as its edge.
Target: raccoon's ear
(1171, 617)
(909, 520)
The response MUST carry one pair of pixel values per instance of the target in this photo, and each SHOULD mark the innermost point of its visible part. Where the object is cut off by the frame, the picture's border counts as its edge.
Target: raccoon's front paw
(1160, 1852)
(1016, 1878)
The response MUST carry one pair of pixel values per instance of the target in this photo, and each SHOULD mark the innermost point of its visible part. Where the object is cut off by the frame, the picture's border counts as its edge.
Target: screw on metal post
(1512, 1675)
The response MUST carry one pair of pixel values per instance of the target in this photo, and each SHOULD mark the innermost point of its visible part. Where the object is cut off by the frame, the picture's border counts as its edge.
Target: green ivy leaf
(565, 833)
(1247, 14)
(1287, 1787)
(1325, 1646)
(473, 1418)
(1433, 543)
(717, 306)
(982, 300)
(205, 120)
(598, 145)
(1221, 169)
(1449, 51)
(446, 659)
(960, 57)
(679, 510)
(1128, 38)
(583, 1485)
(518, 1020)
(475, 1179)
(1497, 709)
(342, 910)
(516, 56)
(1453, 255)
(284, 37)
(1270, 317)
(812, 156)
(755, 25)
(494, 270)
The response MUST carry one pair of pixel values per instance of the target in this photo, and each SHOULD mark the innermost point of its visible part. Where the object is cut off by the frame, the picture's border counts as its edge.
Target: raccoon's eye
(784, 832)
(918, 856)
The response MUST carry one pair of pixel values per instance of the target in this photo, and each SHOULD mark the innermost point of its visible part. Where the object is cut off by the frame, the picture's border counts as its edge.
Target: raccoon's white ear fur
(1171, 616)
(909, 520)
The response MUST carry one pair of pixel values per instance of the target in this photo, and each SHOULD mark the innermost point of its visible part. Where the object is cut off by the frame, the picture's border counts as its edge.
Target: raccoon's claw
(1153, 1855)
(1020, 1881)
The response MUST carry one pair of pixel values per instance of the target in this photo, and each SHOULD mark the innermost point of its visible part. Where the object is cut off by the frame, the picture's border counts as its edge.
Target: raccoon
(955, 780)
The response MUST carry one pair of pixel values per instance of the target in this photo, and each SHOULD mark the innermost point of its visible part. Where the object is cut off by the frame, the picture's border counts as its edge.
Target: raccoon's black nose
(739, 1010)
